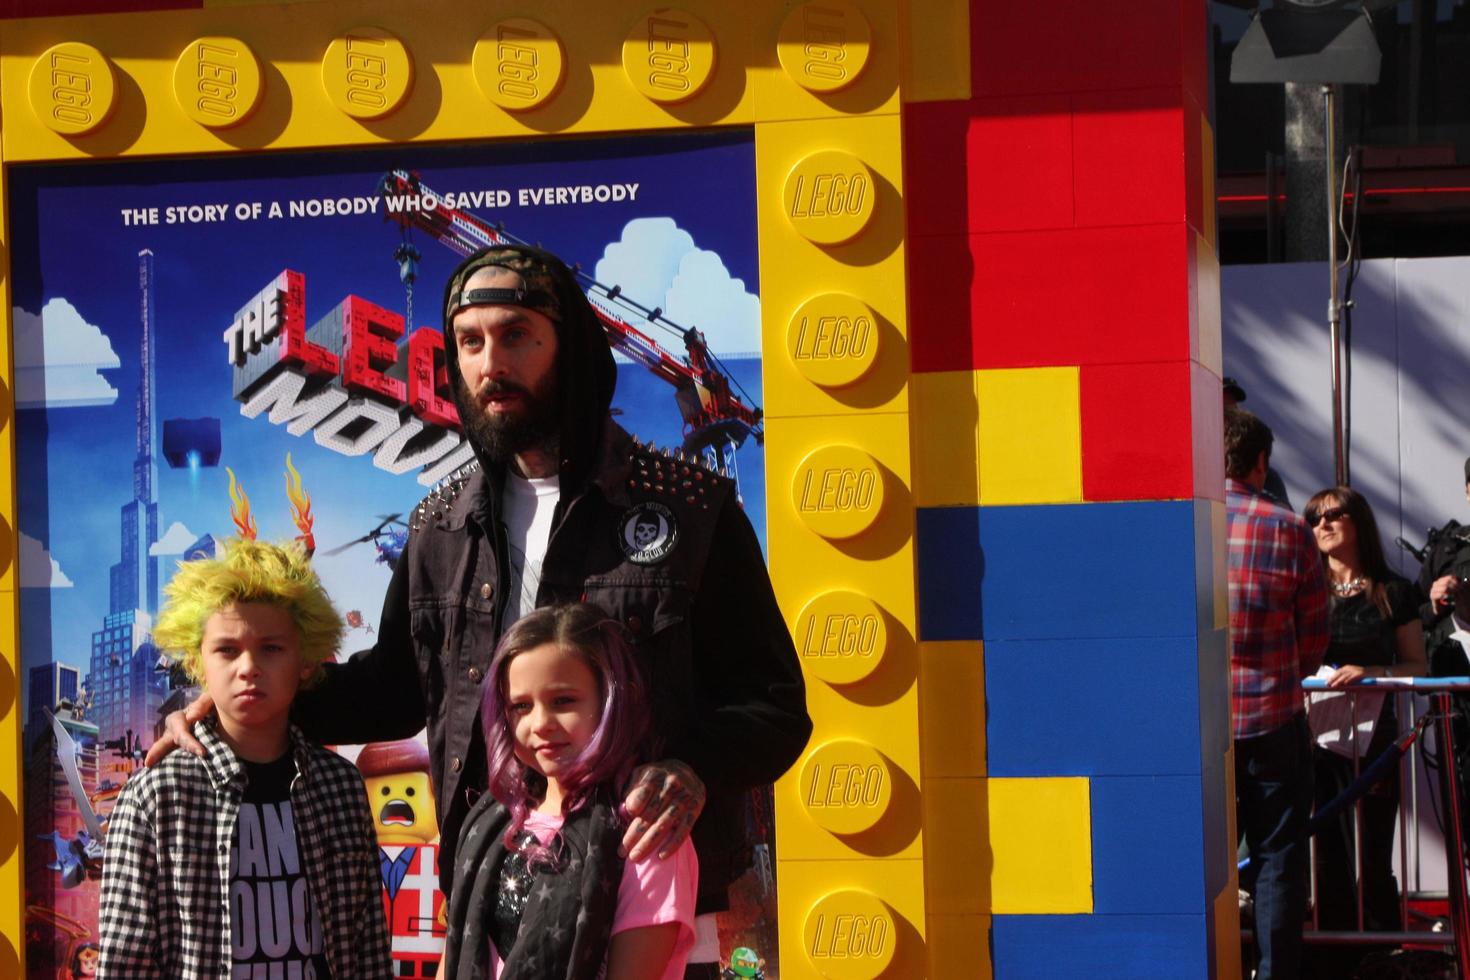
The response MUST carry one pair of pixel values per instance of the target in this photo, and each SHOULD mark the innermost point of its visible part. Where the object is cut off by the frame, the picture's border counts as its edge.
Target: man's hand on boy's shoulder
(664, 799)
(178, 731)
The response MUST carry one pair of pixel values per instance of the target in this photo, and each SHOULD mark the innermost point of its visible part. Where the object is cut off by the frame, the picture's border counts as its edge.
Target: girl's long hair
(617, 743)
(1370, 545)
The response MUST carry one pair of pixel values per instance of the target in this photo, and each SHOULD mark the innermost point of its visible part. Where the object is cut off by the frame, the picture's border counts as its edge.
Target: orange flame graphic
(300, 506)
(240, 508)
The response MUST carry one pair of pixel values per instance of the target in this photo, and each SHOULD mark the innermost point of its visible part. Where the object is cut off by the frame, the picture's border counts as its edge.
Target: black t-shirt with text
(275, 933)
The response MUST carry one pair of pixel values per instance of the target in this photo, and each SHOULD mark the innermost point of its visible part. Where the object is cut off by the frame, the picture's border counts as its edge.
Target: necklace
(1349, 587)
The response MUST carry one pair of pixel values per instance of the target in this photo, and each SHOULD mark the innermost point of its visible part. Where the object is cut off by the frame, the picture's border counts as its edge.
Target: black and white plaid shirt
(166, 872)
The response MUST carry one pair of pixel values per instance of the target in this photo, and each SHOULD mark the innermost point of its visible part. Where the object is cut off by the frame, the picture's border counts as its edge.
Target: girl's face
(552, 706)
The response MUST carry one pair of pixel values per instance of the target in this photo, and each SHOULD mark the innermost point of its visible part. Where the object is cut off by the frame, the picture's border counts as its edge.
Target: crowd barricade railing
(1424, 707)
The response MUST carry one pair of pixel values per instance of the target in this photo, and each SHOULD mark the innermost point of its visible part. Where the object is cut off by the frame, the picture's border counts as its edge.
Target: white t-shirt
(529, 505)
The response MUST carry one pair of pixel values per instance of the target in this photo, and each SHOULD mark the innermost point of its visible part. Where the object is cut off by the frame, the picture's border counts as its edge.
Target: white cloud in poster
(704, 295)
(657, 264)
(38, 570)
(175, 541)
(58, 355)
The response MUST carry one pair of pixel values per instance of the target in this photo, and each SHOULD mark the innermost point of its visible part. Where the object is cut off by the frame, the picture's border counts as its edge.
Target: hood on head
(585, 372)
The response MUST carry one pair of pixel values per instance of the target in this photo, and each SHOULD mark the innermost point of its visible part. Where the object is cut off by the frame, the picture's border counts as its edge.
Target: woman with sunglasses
(1375, 633)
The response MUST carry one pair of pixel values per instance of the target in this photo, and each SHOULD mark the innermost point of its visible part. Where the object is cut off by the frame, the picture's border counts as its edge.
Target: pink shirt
(651, 893)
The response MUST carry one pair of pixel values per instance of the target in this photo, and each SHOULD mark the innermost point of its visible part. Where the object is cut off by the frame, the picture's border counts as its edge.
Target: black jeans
(1273, 802)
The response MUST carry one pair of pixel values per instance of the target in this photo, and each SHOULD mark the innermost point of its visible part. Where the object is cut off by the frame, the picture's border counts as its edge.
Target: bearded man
(559, 507)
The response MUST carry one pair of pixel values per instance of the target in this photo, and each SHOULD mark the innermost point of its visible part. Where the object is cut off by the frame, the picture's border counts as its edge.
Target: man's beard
(503, 435)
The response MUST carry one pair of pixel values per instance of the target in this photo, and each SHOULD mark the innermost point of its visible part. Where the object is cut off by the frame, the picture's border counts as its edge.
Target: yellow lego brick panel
(688, 66)
(805, 504)
(952, 708)
(937, 63)
(12, 888)
(9, 958)
(851, 920)
(829, 203)
(854, 793)
(891, 726)
(625, 68)
(944, 420)
(1226, 910)
(959, 947)
(1041, 845)
(9, 539)
(834, 58)
(1030, 422)
(834, 629)
(957, 829)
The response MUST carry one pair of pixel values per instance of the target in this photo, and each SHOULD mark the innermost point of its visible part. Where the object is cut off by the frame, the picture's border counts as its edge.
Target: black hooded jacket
(725, 684)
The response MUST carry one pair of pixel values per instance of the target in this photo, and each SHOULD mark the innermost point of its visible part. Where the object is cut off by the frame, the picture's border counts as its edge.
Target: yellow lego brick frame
(106, 89)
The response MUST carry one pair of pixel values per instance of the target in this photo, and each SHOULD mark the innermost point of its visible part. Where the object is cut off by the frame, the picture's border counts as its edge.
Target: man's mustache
(491, 388)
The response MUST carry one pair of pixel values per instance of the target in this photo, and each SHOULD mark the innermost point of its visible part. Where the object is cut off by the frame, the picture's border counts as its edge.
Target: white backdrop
(1410, 381)
(1410, 405)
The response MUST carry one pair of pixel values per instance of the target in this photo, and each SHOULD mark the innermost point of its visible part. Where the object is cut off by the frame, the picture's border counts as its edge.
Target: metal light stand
(1334, 305)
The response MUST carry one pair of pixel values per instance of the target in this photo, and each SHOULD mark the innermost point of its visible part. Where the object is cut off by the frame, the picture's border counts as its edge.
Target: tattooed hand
(178, 731)
(664, 799)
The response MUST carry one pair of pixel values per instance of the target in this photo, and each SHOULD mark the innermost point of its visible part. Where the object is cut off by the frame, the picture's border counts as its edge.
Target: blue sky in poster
(70, 243)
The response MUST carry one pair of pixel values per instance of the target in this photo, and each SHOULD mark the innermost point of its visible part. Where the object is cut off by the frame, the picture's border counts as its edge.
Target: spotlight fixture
(1330, 42)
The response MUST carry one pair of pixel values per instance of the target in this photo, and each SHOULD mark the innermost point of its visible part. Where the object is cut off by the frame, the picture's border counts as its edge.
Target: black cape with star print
(567, 922)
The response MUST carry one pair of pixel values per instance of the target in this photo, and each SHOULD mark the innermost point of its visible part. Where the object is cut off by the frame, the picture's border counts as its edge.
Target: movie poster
(145, 294)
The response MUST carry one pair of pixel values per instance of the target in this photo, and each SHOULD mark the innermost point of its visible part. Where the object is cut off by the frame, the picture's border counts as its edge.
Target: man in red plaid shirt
(1278, 632)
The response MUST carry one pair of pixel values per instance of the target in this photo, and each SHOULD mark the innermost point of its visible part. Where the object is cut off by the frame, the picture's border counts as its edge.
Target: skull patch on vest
(647, 533)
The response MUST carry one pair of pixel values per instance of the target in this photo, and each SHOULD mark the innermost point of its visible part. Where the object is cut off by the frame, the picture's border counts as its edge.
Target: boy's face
(252, 664)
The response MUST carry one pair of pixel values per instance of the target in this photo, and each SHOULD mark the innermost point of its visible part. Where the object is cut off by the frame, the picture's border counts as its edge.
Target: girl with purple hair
(540, 890)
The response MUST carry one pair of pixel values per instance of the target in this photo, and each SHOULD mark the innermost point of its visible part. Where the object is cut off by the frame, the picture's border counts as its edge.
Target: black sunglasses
(1335, 514)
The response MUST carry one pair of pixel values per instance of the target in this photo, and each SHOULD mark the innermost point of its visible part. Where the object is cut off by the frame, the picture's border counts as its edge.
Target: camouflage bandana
(539, 290)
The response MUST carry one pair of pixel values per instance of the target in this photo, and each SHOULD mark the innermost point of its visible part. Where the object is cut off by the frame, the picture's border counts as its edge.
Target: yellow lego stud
(824, 45)
(841, 637)
(519, 63)
(367, 72)
(838, 491)
(849, 935)
(846, 786)
(9, 959)
(217, 81)
(72, 88)
(669, 55)
(833, 340)
(829, 197)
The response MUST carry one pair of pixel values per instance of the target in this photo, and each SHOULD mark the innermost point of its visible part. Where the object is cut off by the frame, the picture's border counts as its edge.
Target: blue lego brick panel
(1147, 843)
(1218, 804)
(950, 569)
(1072, 707)
(1099, 947)
(1087, 570)
(1214, 693)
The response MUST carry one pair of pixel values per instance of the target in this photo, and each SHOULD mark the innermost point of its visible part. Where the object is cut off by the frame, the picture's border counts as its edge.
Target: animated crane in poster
(717, 421)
